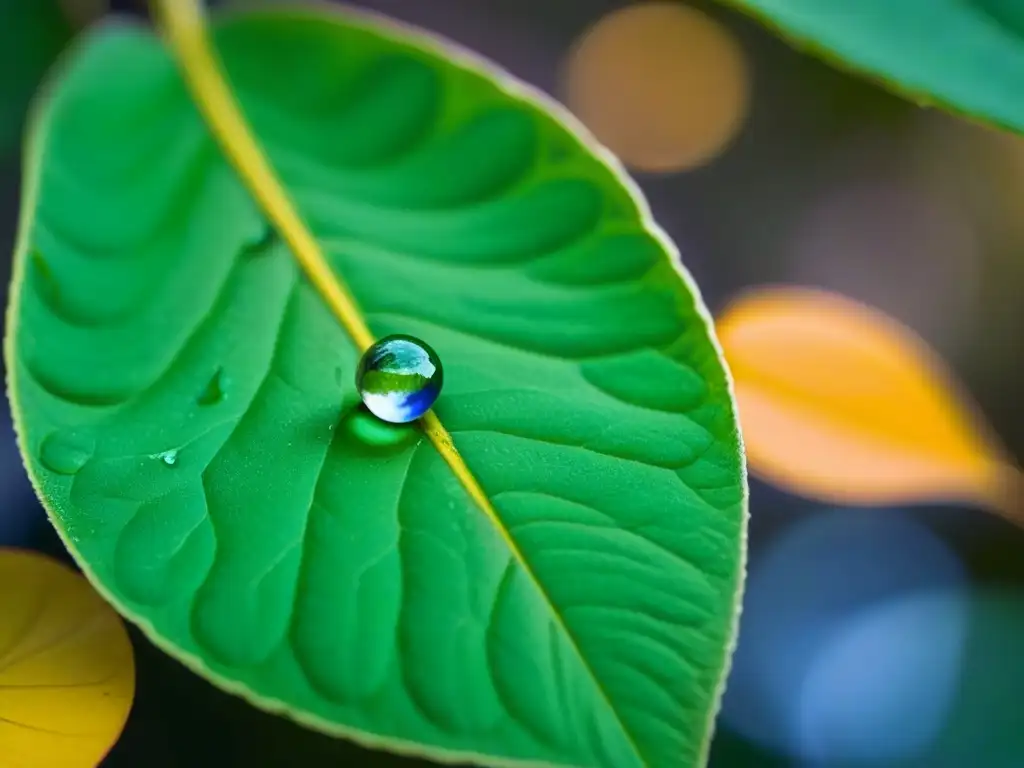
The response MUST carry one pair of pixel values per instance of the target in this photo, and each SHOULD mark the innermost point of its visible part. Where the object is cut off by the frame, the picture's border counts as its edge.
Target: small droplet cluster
(399, 378)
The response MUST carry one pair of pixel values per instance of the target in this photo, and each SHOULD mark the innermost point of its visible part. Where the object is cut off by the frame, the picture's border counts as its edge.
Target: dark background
(881, 637)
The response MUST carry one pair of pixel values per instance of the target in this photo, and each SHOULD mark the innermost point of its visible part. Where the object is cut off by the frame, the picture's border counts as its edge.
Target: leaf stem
(183, 24)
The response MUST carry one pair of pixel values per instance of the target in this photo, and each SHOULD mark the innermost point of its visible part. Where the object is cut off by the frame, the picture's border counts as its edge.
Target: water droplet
(170, 458)
(262, 243)
(399, 378)
(214, 390)
(71, 532)
(66, 452)
(447, 442)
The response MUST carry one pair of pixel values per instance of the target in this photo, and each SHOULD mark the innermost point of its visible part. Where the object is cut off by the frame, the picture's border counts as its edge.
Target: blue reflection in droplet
(399, 378)
(807, 626)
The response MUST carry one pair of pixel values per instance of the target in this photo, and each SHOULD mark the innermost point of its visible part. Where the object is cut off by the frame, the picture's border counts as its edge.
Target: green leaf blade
(186, 403)
(964, 55)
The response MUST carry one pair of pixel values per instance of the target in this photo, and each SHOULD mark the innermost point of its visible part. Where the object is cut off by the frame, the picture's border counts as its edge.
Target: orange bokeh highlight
(661, 84)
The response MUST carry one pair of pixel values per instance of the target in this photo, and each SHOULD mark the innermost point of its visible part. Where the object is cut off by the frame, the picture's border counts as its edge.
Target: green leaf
(965, 55)
(186, 405)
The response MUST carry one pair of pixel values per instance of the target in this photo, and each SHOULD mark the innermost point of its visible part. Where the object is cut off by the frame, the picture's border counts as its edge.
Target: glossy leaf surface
(67, 675)
(840, 402)
(966, 55)
(187, 404)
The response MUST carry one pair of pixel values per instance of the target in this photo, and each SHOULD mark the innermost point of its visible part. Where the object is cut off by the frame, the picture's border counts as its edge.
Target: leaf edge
(807, 46)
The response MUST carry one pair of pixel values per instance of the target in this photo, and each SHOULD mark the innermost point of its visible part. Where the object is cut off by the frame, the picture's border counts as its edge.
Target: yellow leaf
(67, 675)
(841, 403)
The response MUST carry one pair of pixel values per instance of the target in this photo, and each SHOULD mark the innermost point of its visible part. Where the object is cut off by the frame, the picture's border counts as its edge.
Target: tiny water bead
(170, 458)
(67, 451)
(399, 378)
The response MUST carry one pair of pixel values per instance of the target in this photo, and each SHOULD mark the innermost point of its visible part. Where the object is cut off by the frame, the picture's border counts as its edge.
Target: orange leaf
(67, 675)
(841, 403)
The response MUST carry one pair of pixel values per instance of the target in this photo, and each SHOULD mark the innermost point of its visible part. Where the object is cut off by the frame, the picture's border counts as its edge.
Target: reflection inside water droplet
(399, 378)
(66, 452)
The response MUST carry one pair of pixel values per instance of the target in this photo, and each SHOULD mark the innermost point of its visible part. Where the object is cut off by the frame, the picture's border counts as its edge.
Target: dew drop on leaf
(66, 452)
(261, 243)
(170, 458)
(399, 378)
(214, 391)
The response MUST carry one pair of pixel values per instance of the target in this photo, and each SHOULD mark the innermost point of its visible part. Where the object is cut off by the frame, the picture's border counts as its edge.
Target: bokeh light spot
(661, 84)
(897, 662)
(903, 248)
(853, 623)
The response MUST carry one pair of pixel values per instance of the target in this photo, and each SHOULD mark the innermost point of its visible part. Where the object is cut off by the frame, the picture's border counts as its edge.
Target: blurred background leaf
(839, 402)
(966, 55)
(67, 676)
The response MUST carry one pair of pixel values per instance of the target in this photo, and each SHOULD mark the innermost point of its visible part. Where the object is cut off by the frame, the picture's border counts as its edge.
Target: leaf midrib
(183, 23)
